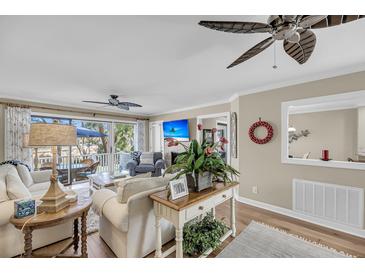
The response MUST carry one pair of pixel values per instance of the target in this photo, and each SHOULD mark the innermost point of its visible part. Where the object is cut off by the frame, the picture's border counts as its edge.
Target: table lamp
(52, 135)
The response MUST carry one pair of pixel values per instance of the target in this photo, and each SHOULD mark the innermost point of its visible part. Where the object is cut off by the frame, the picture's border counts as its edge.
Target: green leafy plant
(199, 236)
(199, 158)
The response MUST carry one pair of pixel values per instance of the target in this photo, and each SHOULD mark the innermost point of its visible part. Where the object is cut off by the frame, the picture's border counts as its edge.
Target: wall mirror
(325, 131)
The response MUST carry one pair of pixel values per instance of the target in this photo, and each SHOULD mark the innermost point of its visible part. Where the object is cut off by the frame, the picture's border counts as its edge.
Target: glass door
(123, 144)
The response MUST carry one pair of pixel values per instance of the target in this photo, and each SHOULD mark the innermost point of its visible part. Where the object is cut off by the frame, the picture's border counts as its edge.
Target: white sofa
(11, 239)
(129, 228)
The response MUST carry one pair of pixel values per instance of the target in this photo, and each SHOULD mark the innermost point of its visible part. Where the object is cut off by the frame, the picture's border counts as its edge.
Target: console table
(182, 210)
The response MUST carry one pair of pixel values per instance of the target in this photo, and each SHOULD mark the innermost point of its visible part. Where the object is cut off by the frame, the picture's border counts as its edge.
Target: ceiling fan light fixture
(294, 38)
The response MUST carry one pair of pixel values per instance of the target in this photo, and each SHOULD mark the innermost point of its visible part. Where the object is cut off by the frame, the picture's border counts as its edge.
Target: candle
(325, 154)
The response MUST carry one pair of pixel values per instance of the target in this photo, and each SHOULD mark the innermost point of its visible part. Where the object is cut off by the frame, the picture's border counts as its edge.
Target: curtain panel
(142, 126)
(17, 124)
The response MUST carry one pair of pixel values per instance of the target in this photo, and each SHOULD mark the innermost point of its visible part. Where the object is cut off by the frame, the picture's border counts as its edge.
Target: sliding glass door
(102, 146)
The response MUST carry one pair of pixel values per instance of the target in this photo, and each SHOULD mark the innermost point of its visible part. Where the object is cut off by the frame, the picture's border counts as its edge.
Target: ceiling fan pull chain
(275, 66)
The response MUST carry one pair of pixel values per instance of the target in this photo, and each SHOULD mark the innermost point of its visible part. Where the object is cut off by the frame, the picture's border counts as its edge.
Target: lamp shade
(42, 134)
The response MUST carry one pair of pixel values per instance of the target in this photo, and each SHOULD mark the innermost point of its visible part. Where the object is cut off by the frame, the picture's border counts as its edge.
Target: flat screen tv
(178, 130)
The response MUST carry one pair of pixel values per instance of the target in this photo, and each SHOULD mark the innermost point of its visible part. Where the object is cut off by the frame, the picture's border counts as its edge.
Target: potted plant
(203, 235)
(201, 163)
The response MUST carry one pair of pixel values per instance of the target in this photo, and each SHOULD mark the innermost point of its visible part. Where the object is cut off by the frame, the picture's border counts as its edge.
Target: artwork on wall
(208, 136)
(233, 135)
(220, 133)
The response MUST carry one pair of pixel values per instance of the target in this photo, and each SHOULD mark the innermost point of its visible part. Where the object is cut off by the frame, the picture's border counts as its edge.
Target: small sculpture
(295, 136)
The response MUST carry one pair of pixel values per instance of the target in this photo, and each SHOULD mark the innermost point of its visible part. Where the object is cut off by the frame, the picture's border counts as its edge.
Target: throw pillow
(5, 170)
(138, 185)
(25, 175)
(122, 181)
(3, 194)
(15, 188)
(146, 158)
(135, 155)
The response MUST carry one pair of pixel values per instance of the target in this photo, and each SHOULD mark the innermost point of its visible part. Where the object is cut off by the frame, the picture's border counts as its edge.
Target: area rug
(263, 241)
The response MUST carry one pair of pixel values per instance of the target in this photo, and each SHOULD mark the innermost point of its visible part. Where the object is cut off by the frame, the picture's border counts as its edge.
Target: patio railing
(107, 162)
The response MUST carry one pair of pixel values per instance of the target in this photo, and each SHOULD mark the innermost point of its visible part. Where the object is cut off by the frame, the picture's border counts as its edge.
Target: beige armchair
(129, 228)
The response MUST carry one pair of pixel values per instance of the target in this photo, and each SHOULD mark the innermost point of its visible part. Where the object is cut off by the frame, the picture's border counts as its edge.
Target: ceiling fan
(294, 30)
(113, 101)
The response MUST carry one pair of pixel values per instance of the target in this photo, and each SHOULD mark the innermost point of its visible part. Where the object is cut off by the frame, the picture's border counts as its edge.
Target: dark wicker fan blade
(302, 50)
(334, 20)
(237, 27)
(311, 20)
(123, 107)
(129, 104)
(253, 51)
(95, 102)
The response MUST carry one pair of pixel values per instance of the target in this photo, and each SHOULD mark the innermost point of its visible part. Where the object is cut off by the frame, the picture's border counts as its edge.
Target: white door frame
(151, 125)
(199, 134)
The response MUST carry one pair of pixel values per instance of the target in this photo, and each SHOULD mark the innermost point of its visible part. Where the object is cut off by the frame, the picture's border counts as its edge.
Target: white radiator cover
(337, 203)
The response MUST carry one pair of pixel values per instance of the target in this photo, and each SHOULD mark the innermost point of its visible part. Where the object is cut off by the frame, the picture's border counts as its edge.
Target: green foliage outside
(124, 137)
(199, 236)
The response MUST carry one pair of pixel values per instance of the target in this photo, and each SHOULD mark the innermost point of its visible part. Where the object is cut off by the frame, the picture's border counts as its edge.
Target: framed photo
(220, 133)
(179, 188)
(208, 136)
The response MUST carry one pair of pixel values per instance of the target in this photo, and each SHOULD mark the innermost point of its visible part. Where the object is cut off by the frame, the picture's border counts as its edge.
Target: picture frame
(233, 140)
(208, 136)
(178, 188)
(220, 133)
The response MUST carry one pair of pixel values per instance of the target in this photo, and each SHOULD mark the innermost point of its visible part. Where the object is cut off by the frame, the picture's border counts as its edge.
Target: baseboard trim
(290, 213)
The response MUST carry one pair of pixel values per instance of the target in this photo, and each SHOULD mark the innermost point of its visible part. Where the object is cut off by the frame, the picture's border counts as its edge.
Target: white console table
(182, 210)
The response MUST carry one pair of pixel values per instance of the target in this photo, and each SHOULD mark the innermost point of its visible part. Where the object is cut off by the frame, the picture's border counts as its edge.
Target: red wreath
(270, 132)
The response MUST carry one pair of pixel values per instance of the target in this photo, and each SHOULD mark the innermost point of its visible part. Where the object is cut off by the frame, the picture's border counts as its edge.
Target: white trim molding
(296, 215)
(290, 106)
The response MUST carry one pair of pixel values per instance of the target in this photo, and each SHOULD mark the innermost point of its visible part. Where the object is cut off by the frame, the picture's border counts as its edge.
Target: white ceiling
(164, 63)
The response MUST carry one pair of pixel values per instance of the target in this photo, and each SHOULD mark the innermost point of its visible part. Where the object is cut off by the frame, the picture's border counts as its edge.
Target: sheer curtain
(17, 124)
(142, 126)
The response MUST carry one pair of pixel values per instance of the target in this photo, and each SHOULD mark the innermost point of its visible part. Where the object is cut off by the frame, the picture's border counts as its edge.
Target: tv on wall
(178, 130)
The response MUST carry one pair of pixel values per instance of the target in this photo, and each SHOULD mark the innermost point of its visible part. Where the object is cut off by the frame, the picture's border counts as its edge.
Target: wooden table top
(192, 198)
(50, 219)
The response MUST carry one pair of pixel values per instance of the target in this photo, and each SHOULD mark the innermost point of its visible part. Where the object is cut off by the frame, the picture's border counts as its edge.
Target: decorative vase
(199, 181)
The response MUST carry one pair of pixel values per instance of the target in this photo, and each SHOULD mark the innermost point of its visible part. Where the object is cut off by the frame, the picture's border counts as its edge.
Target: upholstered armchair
(146, 162)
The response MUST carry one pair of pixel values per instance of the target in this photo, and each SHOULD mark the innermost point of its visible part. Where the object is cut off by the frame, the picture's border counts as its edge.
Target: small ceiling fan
(294, 30)
(114, 102)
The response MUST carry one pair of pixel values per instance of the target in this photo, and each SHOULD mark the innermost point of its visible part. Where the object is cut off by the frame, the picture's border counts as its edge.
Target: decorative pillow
(5, 169)
(135, 155)
(3, 194)
(138, 185)
(25, 175)
(14, 163)
(121, 182)
(146, 158)
(15, 188)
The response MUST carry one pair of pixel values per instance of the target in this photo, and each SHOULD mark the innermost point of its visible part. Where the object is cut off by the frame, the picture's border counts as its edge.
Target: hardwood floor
(244, 215)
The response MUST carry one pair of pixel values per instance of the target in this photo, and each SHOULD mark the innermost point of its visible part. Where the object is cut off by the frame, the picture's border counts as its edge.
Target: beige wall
(260, 165)
(361, 132)
(333, 130)
(2, 133)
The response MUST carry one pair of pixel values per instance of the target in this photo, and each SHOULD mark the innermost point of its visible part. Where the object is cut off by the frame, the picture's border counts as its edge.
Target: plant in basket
(201, 163)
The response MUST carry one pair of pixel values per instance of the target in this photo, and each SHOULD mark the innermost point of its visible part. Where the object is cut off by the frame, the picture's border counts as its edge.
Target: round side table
(76, 210)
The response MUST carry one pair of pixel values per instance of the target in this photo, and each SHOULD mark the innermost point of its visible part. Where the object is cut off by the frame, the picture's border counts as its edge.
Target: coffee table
(76, 210)
(104, 179)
